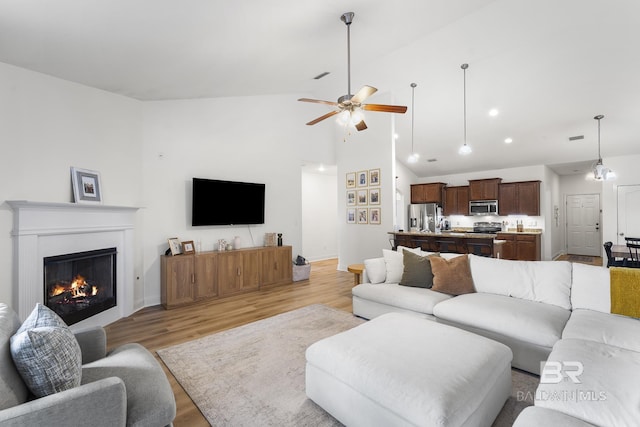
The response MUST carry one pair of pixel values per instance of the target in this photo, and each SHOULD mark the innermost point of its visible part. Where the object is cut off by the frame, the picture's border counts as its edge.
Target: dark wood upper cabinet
(519, 198)
(484, 189)
(427, 193)
(456, 200)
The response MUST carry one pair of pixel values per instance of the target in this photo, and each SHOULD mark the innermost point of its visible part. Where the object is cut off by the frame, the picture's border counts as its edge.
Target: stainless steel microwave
(483, 207)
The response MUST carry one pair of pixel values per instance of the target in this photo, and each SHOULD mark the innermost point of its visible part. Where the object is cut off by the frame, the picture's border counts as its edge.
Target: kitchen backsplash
(530, 223)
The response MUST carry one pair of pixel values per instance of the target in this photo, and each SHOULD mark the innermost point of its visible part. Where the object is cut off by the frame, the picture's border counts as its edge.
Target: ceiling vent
(432, 160)
(576, 138)
(321, 75)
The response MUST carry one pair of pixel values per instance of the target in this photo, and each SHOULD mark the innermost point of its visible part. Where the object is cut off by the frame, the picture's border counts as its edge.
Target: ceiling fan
(352, 105)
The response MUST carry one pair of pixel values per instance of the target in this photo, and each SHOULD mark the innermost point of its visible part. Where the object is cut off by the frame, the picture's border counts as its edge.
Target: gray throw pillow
(417, 271)
(48, 359)
(41, 316)
(46, 353)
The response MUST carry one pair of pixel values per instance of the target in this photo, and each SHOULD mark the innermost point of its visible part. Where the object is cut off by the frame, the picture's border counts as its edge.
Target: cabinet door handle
(275, 265)
(238, 271)
(193, 278)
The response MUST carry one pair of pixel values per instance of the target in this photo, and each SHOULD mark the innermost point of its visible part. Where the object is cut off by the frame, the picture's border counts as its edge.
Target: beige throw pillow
(452, 276)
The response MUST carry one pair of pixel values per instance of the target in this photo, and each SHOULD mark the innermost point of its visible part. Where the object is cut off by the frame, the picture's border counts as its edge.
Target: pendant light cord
(413, 95)
(599, 156)
(464, 101)
(598, 118)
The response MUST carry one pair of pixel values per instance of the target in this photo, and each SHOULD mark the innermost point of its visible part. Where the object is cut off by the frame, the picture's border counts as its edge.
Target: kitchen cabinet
(427, 193)
(484, 189)
(521, 246)
(456, 201)
(519, 198)
(444, 243)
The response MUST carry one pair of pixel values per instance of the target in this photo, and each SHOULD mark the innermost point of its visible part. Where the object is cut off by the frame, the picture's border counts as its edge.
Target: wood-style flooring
(156, 328)
(594, 260)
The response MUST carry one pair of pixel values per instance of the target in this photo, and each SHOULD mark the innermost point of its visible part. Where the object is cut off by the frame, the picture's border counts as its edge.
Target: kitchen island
(456, 242)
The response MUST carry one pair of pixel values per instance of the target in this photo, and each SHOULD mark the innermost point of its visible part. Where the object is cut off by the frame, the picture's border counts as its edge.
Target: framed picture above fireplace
(86, 186)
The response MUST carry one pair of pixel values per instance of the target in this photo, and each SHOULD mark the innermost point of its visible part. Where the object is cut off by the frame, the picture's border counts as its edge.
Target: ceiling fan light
(464, 150)
(356, 116)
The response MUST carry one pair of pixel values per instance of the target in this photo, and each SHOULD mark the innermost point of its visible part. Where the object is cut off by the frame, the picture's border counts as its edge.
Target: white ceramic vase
(237, 242)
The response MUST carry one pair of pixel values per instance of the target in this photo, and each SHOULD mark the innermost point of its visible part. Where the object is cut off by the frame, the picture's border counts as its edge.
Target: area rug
(254, 374)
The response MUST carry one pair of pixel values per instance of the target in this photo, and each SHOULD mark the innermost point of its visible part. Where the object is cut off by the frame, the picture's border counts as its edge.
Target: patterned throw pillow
(46, 353)
(41, 316)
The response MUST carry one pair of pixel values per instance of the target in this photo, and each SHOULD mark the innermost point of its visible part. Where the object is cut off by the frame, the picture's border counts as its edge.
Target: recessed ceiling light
(493, 112)
(508, 141)
(396, 136)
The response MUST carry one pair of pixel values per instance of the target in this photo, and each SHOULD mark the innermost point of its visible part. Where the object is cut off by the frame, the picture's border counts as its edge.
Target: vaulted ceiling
(548, 66)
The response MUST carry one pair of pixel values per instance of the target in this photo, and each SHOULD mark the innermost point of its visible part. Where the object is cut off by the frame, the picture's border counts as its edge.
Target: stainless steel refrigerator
(424, 217)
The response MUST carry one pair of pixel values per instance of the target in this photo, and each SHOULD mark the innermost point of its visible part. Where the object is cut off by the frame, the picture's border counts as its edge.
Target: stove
(487, 227)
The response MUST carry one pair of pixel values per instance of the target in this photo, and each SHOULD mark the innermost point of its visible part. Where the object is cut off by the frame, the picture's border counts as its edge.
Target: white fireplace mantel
(43, 229)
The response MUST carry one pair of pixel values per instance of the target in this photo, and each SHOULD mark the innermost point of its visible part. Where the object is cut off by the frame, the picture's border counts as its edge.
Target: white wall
(370, 149)
(403, 179)
(255, 139)
(319, 216)
(48, 125)
(147, 154)
(628, 173)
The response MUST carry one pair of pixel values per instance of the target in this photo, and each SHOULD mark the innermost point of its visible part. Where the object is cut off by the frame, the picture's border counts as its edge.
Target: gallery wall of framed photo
(363, 197)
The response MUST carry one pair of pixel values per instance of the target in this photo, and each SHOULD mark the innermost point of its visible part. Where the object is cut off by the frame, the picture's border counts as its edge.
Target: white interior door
(583, 224)
(628, 212)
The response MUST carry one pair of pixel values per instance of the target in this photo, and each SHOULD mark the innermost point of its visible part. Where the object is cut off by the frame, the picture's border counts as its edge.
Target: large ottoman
(402, 370)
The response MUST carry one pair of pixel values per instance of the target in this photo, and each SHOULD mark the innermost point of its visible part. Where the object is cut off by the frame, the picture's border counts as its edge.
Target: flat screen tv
(218, 202)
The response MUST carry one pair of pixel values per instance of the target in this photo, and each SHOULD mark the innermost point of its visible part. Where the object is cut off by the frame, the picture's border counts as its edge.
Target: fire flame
(78, 288)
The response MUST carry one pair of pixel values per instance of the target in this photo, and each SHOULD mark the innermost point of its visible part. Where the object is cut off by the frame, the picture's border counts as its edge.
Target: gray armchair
(126, 387)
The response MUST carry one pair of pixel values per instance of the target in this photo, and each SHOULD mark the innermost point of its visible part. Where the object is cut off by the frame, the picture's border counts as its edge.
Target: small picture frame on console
(175, 246)
(187, 247)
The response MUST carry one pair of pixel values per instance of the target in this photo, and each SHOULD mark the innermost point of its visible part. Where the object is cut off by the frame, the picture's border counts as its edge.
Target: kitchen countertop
(465, 234)
(444, 234)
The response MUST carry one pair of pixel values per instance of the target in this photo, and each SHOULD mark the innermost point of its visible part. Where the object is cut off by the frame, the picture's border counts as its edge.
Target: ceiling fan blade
(361, 126)
(321, 118)
(363, 93)
(385, 108)
(318, 101)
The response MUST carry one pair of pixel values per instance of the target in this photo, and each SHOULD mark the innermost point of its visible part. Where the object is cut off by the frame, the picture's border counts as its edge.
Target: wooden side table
(357, 270)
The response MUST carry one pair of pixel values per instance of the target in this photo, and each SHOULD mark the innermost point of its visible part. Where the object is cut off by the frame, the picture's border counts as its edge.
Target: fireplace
(80, 285)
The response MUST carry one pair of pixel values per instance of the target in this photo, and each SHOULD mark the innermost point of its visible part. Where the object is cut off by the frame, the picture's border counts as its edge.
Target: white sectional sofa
(544, 311)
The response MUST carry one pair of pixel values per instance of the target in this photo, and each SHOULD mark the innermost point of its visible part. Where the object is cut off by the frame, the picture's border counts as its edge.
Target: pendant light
(413, 157)
(600, 172)
(465, 149)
